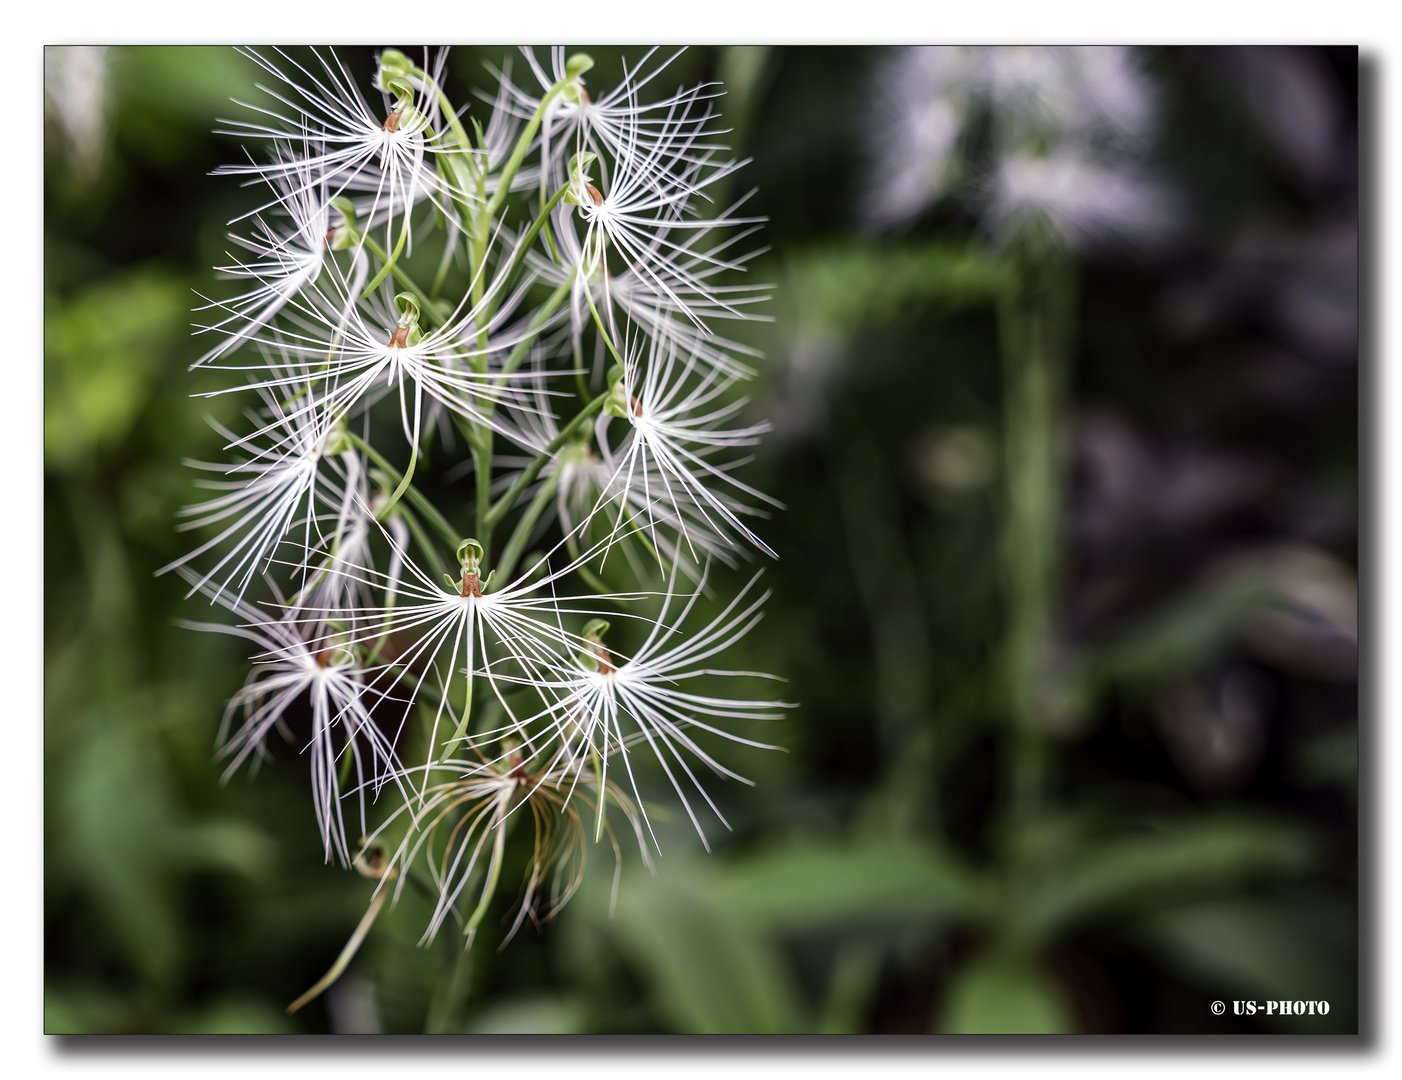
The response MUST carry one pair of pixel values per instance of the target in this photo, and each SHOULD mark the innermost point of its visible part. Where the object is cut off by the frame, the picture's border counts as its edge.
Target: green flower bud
(595, 629)
(401, 91)
(338, 440)
(408, 332)
(344, 235)
(470, 556)
(393, 65)
(617, 403)
(581, 187)
(598, 658)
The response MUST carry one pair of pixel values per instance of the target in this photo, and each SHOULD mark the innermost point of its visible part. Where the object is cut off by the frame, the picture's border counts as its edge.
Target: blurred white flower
(299, 656)
(76, 96)
(1080, 201)
(1069, 129)
(289, 480)
(286, 260)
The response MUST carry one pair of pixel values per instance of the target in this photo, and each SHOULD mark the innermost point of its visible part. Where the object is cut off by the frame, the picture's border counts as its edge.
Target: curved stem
(393, 259)
(502, 505)
(347, 954)
(522, 532)
(413, 494)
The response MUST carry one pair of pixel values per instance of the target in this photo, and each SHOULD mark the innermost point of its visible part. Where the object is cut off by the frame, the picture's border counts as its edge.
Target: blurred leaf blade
(1183, 859)
(998, 995)
(810, 884)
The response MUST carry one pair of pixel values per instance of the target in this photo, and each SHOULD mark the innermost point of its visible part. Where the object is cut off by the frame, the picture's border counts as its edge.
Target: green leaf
(235, 1015)
(812, 884)
(104, 349)
(1179, 637)
(711, 970)
(1002, 996)
(224, 844)
(1266, 950)
(545, 1014)
(1157, 868)
(842, 288)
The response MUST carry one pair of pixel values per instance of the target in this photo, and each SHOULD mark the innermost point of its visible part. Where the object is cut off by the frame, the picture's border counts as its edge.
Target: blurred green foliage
(874, 880)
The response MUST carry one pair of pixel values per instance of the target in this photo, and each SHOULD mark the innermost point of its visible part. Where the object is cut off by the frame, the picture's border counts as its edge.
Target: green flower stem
(522, 347)
(608, 340)
(347, 954)
(1035, 326)
(408, 476)
(522, 532)
(598, 779)
(445, 1010)
(447, 106)
(394, 258)
(504, 504)
(529, 238)
(493, 877)
(430, 512)
(460, 728)
(477, 249)
(481, 446)
(552, 303)
(346, 758)
(455, 162)
(427, 304)
(641, 533)
(522, 147)
(444, 263)
(424, 542)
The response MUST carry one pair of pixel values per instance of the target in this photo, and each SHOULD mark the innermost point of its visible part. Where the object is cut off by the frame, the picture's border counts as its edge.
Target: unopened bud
(338, 440)
(344, 235)
(393, 65)
(599, 658)
(580, 183)
(595, 629)
(618, 401)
